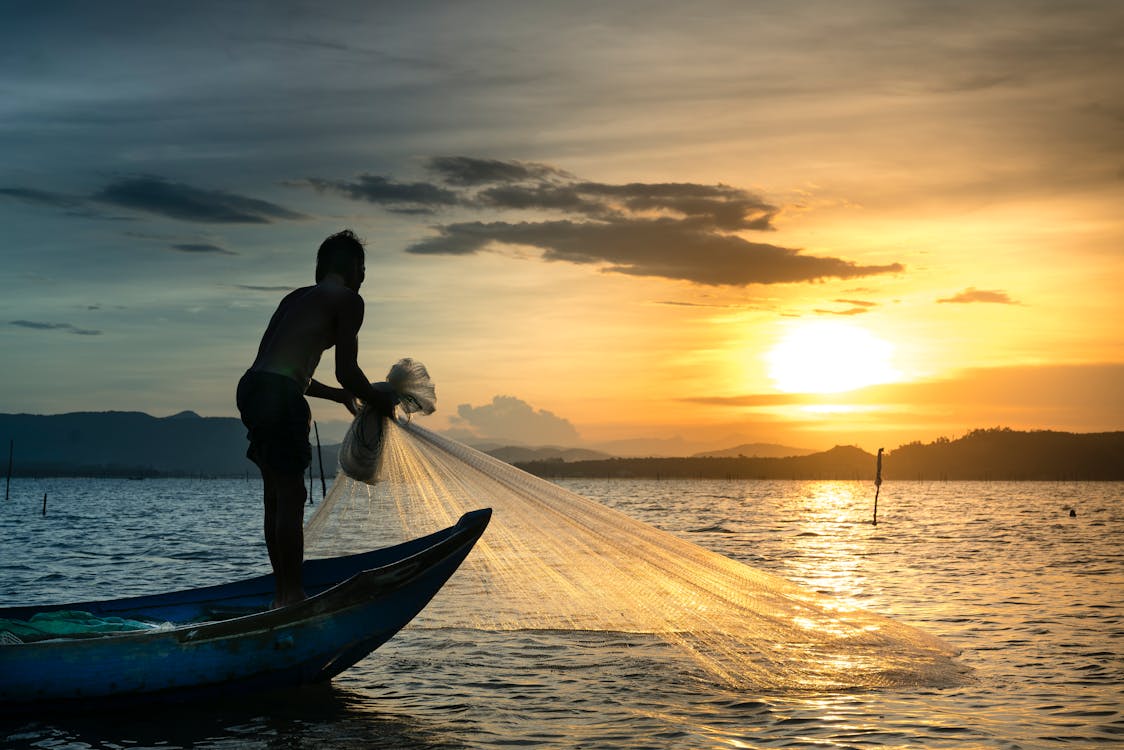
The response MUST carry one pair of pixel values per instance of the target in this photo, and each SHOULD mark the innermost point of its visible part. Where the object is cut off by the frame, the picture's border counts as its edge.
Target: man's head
(342, 253)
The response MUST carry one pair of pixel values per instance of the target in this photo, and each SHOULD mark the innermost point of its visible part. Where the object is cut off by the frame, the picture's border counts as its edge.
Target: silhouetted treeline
(994, 454)
(841, 462)
(1002, 453)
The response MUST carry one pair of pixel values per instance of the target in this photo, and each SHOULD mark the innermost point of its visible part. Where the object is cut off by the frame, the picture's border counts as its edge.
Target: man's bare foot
(288, 600)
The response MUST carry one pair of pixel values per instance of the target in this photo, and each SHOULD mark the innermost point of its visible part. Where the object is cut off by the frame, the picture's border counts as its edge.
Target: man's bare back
(308, 321)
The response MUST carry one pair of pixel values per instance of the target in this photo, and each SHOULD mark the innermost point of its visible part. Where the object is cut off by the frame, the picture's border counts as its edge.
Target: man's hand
(387, 399)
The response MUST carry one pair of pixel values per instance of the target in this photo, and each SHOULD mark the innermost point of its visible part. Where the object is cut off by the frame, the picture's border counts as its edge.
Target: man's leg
(284, 535)
(270, 526)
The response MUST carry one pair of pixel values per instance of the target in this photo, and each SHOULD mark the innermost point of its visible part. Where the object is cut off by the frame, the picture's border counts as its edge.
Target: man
(271, 395)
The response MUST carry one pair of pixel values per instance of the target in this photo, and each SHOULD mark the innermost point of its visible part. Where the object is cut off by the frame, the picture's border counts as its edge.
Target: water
(1033, 597)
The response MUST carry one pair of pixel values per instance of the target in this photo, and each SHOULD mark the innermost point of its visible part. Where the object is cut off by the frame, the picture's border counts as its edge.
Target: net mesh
(554, 560)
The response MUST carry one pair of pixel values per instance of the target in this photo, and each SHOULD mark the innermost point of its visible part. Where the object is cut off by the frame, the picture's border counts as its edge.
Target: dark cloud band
(263, 288)
(401, 197)
(674, 230)
(42, 197)
(186, 203)
(659, 247)
(201, 247)
(65, 327)
(466, 171)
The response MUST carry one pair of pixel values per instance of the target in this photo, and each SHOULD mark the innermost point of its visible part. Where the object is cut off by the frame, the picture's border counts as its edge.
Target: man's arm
(316, 389)
(348, 372)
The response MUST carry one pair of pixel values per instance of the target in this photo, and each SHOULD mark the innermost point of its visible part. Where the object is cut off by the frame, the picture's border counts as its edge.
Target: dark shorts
(277, 419)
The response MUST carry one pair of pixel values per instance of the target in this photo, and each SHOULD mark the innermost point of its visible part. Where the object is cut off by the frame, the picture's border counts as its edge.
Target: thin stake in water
(877, 486)
(8, 486)
(320, 456)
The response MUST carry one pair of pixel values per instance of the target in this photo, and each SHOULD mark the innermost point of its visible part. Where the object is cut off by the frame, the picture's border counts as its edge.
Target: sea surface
(1033, 597)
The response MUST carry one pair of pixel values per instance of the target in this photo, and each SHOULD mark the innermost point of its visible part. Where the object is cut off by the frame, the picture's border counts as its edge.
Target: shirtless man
(271, 395)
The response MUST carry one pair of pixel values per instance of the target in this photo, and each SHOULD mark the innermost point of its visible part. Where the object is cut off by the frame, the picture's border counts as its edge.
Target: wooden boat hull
(355, 605)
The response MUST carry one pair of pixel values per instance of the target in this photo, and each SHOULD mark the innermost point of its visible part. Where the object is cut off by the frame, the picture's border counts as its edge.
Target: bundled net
(408, 382)
(554, 560)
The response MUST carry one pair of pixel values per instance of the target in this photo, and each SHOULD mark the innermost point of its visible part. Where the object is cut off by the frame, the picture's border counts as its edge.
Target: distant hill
(756, 450)
(125, 444)
(514, 454)
(997, 454)
(1002, 453)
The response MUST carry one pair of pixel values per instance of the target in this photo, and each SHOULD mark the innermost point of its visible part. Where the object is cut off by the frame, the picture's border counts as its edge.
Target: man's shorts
(277, 418)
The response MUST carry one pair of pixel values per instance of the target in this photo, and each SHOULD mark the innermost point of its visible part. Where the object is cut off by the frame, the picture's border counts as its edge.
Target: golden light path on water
(840, 572)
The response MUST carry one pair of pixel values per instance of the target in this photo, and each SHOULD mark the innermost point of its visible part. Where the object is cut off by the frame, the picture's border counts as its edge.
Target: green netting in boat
(66, 623)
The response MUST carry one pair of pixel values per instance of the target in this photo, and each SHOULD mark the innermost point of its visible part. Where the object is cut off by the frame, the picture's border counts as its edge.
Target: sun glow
(829, 357)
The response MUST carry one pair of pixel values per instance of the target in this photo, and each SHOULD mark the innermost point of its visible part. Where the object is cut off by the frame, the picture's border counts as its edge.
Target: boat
(219, 640)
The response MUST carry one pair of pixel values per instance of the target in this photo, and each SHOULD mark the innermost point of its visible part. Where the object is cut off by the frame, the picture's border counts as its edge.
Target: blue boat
(224, 639)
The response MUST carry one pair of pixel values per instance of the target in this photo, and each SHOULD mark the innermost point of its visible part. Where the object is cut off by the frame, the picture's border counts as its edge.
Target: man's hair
(338, 253)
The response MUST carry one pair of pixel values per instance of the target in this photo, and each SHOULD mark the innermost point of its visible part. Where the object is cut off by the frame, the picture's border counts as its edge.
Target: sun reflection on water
(833, 561)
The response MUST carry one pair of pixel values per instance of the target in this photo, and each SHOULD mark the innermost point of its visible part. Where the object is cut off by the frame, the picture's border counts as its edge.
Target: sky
(648, 227)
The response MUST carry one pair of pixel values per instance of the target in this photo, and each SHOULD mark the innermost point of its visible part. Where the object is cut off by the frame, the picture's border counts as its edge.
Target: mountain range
(124, 444)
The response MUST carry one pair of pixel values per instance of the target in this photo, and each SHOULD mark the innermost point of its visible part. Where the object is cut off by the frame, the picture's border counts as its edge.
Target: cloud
(971, 294)
(466, 171)
(42, 197)
(848, 311)
(650, 247)
(186, 203)
(713, 207)
(257, 288)
(509, 418)
(70, 205)
(542, 196)
(754, 400)
(202, 247)
(66, 327)
(857, 307)
(678, 303)
(674, 230)
(400, 197)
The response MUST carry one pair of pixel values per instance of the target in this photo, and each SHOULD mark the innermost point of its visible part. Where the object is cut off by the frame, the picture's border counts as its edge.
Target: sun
(830, 357)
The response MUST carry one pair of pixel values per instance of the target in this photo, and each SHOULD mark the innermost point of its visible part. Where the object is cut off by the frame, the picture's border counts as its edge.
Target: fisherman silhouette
(271, 395)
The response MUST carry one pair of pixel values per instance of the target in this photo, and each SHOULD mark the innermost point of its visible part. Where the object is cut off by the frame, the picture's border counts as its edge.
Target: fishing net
(408, 382)
(554, 560)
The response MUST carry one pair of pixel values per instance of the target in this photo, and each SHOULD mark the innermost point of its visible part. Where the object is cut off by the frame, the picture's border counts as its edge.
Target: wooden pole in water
(877, 486)
(44, 503)
(8, 486)
(320, 456)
